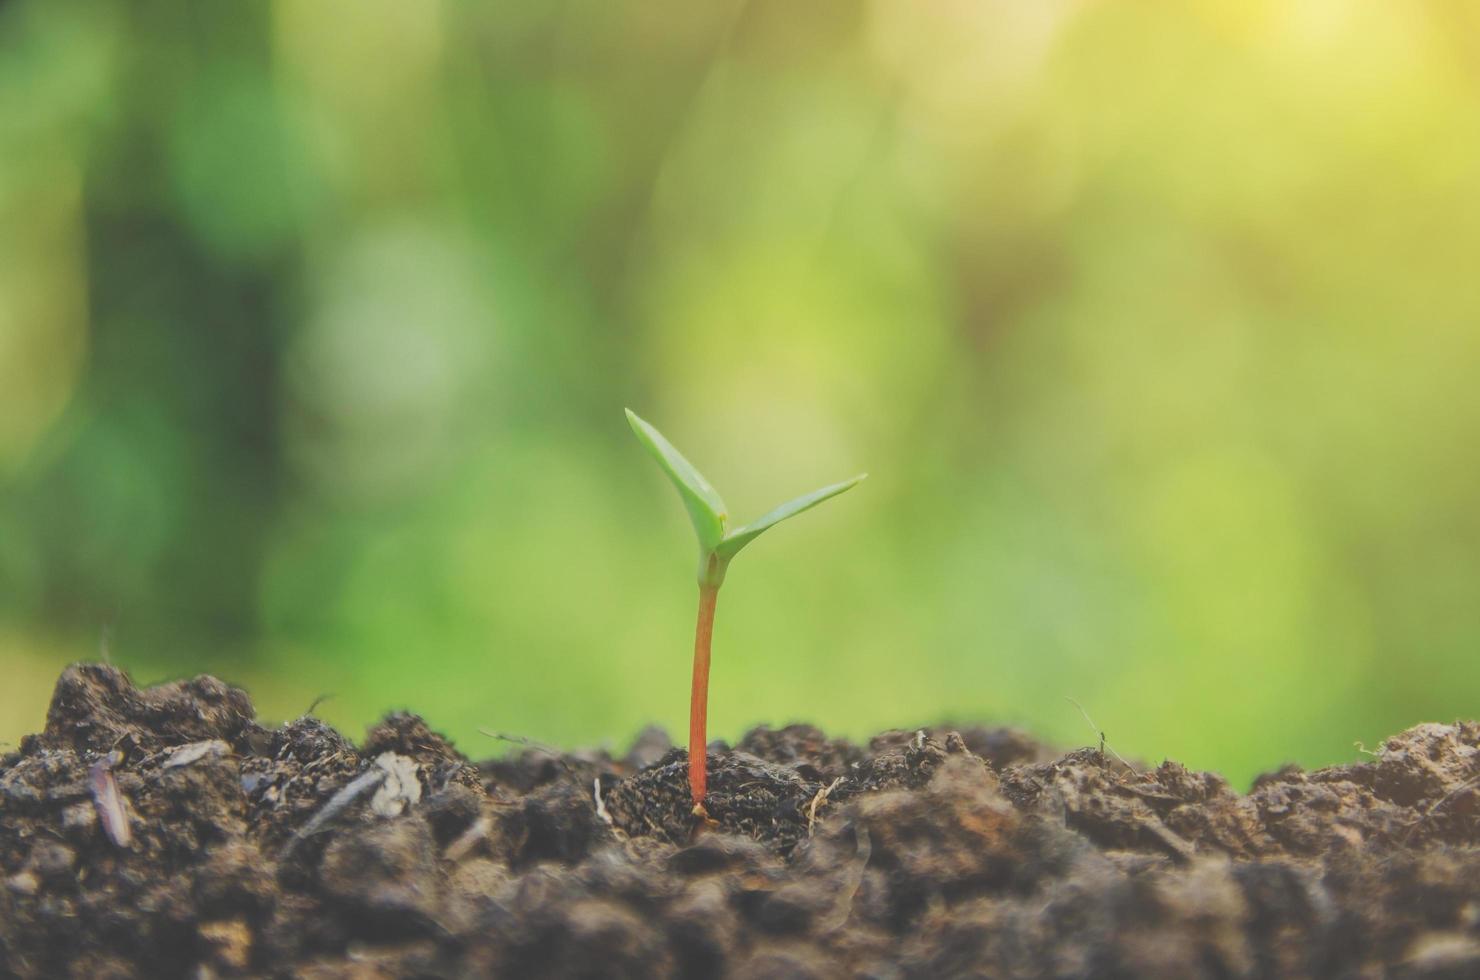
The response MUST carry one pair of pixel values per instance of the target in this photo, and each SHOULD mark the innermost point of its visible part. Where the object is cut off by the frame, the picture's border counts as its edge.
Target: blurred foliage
(1155, 325)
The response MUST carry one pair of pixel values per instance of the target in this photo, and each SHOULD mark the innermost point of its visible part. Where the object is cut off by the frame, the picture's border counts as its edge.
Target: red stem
(699, 697)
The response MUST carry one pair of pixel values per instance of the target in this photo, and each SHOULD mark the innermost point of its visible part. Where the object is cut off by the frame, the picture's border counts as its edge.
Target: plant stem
(699, 697)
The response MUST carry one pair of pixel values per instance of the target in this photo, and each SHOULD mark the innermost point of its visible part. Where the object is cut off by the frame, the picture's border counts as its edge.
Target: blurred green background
(1156, 325)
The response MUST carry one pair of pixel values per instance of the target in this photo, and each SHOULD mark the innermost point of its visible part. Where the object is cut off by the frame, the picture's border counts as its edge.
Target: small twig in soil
(865, 851)
(818, 801)
(523, 740)
(322, 762)
(468, 839)
(606, 818)
(1178, 848)
(530, 743)
(187, 754)
(313, 705)
(1103, 744)
(337, 804)
(109, 802)
(1434, 807)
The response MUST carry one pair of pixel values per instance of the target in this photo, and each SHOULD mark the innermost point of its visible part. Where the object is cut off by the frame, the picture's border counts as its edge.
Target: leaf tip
(641, 427)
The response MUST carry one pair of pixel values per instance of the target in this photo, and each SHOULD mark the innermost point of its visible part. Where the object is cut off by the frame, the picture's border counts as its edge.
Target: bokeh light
(1155, 327)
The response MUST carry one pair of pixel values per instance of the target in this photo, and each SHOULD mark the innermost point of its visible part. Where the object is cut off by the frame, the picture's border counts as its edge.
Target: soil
(164, 832)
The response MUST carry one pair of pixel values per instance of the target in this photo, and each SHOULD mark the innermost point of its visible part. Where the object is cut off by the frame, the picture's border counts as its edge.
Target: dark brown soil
(164, 832)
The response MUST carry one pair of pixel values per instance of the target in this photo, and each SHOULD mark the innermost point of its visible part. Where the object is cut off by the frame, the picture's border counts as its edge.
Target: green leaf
(705, 508)
(742, 536)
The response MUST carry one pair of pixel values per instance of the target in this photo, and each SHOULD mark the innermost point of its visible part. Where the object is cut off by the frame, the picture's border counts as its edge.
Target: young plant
(718, 545)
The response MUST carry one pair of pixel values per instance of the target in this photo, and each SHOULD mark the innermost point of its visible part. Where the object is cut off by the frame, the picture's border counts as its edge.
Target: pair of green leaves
(717, 544)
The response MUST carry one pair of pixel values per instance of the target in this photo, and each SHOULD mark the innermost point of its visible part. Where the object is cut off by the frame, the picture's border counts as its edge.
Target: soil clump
(165, 832)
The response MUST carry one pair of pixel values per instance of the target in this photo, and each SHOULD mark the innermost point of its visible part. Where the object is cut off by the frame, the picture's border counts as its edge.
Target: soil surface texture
(164, 832)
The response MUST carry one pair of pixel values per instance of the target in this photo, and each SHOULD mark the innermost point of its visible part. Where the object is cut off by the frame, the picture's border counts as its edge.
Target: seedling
(718, 545)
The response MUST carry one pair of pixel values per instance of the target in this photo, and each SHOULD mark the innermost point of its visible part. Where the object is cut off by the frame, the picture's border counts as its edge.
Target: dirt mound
(163, 832)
